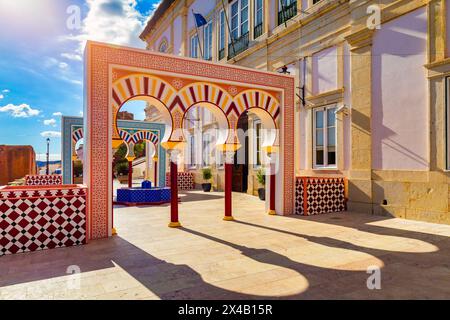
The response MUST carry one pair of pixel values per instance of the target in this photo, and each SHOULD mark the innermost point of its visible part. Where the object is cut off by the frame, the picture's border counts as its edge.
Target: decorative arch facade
(117, 74)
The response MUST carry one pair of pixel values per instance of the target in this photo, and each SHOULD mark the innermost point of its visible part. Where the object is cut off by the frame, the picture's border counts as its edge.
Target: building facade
(16, 162)
(373, 84)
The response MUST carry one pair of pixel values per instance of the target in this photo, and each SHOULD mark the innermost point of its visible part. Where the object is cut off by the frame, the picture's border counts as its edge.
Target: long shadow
(315, 275)
(411, 270)
(179, 281)
(164, 279)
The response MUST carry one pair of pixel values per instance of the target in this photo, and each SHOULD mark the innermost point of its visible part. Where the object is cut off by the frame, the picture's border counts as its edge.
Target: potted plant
(207, 175)
(261, 177)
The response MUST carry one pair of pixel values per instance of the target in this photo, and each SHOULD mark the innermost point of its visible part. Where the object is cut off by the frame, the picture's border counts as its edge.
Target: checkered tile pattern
(40, 219)
(43, 180)
(139, 195)
(185, 181)
(324, 195)
(299, 197)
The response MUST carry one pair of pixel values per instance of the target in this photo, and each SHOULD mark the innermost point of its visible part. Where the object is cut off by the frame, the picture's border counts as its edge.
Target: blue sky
(41, 68)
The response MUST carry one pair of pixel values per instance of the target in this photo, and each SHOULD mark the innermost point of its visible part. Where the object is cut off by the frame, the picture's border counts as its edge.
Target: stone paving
(255, 257)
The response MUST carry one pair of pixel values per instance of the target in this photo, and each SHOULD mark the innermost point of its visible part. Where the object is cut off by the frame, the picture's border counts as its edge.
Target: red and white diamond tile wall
(324, 195)
(43, 180)
(40, 219)
(185, 181)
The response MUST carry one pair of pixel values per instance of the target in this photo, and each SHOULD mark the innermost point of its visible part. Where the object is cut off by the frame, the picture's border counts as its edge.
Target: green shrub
(261, 176)
(207, 175)
(77, 169)
(122, 168)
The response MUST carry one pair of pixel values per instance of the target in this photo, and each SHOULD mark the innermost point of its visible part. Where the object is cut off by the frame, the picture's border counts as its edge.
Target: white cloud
(1, 96)
(72, 56)
(57, 114)
(50, 122)
(20, 111)
(63, 65)
(113, 21)
(51, 134)
(6, 91)
(51, 156)
(81, 113)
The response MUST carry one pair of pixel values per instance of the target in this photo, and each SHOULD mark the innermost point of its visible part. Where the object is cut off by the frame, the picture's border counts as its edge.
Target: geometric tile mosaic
(41, 219)
(43, 180)
(185, 180)
(323, 195)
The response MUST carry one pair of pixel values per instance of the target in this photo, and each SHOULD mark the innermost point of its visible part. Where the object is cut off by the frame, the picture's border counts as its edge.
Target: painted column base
(174, 225)
(228, 218)
(271, 213)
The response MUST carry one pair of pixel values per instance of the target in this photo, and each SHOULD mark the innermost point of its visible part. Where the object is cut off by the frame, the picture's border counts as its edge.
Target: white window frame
(255, 144)
(256, 12)
(447, 120)
(222, 30)
(325, 164)
(193, 50)
(239, 17)
(207, 40)
(163, 44)
(192, 152)
(206, 151)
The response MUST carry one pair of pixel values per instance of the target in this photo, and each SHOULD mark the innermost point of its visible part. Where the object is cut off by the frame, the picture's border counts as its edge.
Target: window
(286, 10)
(222, 35)
(239, 18)
(194, 46)
(447, 115)
(324, 152)
(163, 46)
(259, 12)
(207, 40)
(219, 153)
(257, 142)
(206, 161)
(239, 37)
(192, 151)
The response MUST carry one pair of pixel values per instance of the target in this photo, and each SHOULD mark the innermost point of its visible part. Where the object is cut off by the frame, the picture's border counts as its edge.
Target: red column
(228, 191)
(272, 190)
(155, 165)
(174, 223)
(130, 174)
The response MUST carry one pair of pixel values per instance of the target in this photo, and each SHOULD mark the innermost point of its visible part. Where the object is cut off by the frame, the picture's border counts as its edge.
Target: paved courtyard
(256, 256)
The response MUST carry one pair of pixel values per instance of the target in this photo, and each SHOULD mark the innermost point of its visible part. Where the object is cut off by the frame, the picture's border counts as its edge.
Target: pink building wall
(177, 35)
(400, 107)
(324, 70)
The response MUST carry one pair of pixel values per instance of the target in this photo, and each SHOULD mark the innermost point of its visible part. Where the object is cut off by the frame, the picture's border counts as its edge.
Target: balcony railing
(288, 12)
(221, 54)
(238, 45)
(258, 31)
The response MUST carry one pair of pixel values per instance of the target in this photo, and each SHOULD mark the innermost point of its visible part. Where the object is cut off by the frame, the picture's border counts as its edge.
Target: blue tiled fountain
(144, 195)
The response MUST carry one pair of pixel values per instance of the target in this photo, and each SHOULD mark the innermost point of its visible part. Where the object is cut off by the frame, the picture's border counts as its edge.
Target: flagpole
(228, 26)
(198, 35)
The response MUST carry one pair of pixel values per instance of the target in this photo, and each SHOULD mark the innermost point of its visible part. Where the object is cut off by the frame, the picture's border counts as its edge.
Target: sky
(41, 61)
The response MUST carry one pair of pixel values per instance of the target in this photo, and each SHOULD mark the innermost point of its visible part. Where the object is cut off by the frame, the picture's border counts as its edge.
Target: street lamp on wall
(48, 157)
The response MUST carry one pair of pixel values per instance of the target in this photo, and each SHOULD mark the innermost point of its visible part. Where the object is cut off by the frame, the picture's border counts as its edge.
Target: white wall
(400, 108)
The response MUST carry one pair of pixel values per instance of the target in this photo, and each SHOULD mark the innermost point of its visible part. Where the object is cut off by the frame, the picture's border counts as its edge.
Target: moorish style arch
(132, 131)
(173, 84)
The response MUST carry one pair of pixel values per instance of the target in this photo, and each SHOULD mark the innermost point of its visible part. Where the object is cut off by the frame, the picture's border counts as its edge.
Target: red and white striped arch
(177, 102)
(77, 135)
(145, 136)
